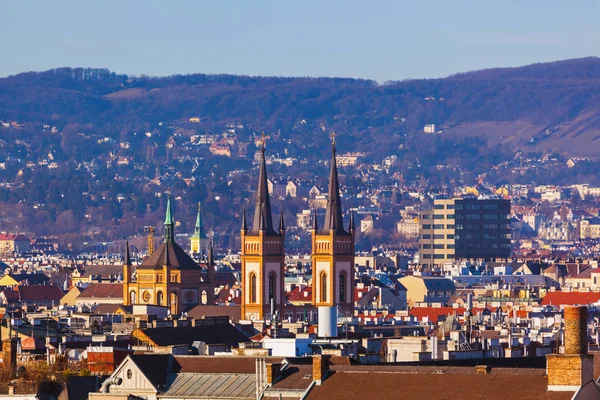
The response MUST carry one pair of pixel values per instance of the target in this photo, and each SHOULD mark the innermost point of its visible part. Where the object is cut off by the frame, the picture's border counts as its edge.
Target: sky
(380, 40)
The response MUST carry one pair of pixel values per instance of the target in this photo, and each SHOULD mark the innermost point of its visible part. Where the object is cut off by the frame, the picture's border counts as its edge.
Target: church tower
(262, 251)
(169, 277)
(333, 251)
(199, 240)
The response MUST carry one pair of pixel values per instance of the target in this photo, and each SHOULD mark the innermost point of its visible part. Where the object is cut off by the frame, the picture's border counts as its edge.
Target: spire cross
(332, 137)
(263, 140)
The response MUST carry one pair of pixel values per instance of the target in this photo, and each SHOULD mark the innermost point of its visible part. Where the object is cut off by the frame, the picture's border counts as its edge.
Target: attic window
(129, 374)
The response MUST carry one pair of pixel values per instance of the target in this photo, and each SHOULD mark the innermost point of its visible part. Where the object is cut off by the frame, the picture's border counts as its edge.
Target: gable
(132, 382)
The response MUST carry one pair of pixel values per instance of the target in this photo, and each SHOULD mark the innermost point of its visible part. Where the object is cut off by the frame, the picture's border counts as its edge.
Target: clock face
(146, 296)
(253, 316)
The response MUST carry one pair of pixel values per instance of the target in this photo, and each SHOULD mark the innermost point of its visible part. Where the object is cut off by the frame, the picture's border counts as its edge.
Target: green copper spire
(199, 228)
(169, 224)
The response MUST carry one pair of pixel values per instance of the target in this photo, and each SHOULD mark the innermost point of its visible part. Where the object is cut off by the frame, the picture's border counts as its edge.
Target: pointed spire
(210, 259)
(334, 221)
(351, 228)
(199, 227)
(263, 219)
(244, 225)
(315, 224)
(281, 223)
(127, 255)
(169, 224)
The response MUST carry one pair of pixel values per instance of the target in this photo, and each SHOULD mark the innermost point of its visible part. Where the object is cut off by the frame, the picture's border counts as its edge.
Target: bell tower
(333, 250)
(199, 240)
(262, 255)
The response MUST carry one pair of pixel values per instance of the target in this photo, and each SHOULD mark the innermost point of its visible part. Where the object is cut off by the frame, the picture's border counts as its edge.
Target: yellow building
(333, 251)
(169, 276)
(262, 256)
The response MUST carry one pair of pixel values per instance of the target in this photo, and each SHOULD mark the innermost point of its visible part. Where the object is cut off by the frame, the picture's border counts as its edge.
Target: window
(450, 207)
(129, 374)
(428, 256)
(252, 287)
(426, 216)
(323, 287)
(449, 236)
(426, 236)
(438, 216)
(438, 236)
(439, 206)
(159, 298)
(438, 246)
(342, 288)
(438, 226)
(438, 256)
(450, 246)
(426, 246)
(450, 226)
(426, 226)
(272, 286)
(450, 216)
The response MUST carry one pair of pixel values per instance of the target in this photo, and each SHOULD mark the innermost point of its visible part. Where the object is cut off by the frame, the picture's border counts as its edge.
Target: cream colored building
(589, 228)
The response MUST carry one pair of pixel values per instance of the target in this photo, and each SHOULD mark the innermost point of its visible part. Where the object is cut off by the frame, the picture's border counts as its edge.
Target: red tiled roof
(102, 291)
(10, 236)
(300, 294)
(39, 292)
(570, 298)
(433, 313)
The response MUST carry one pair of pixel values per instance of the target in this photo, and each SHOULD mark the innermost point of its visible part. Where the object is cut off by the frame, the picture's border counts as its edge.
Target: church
(263, 257)
(169, 276)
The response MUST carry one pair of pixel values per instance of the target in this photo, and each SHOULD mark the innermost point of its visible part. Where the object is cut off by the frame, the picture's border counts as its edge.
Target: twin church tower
(263, 255)
(170, 277)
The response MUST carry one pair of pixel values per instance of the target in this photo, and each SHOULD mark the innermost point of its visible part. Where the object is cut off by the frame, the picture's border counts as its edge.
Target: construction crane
(149, 230)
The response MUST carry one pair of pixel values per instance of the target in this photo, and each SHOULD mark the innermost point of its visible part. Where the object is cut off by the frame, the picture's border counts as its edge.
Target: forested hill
(540, 107)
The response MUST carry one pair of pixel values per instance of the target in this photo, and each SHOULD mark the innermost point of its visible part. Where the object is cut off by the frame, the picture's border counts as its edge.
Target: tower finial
(315, 224)
(263, 141)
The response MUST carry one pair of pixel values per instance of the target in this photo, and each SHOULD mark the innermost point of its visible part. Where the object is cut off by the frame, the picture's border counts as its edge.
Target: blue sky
(381, 40)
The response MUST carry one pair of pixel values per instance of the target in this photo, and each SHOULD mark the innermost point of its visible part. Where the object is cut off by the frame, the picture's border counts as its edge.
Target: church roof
(171, 255)
(263, 219)
(334, 221)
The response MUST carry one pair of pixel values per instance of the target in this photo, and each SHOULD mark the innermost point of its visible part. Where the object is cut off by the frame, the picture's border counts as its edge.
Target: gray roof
(432, 283)
(195, 385)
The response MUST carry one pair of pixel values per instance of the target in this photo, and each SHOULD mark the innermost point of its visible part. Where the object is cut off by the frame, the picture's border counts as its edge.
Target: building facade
(169, 277)
(465, 228)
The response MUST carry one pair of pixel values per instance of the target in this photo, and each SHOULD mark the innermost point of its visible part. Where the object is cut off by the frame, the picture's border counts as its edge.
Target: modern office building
(465, 228)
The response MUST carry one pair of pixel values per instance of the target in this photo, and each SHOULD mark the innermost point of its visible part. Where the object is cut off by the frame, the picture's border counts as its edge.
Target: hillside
(90, 151)
(562, 97)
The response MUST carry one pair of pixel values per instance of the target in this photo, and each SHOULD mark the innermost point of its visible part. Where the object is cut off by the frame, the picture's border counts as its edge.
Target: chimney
(573, 369)
(272, 373)
(11, 390)
(320, 368)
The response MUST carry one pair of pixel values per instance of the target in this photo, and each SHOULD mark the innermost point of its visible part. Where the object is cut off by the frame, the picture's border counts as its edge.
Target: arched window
(159, 299)
(323, 287)
(132, 297)
(252, 287)
(342, 287)
(204, 297)
(272, 287)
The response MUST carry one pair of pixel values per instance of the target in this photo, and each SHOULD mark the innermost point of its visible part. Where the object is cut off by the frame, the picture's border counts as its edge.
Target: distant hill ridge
(508, 106)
